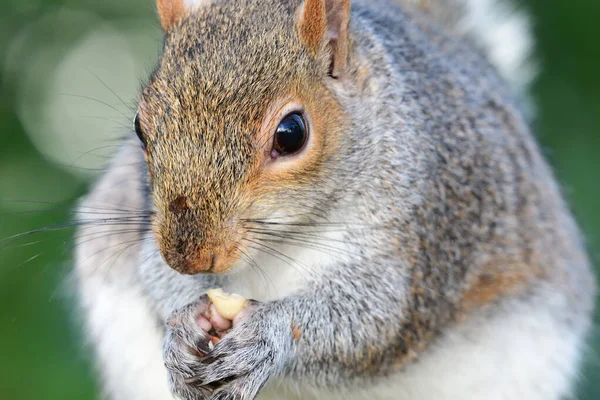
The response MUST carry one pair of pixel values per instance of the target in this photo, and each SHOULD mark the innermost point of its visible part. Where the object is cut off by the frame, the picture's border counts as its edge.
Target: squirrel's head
(238, 124)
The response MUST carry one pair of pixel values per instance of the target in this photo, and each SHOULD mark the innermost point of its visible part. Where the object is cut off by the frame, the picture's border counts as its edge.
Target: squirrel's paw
(235, 368)
(185, 344)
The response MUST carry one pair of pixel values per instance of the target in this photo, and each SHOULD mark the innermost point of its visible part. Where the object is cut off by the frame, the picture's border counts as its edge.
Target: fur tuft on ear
(312, 24)
(327, 21)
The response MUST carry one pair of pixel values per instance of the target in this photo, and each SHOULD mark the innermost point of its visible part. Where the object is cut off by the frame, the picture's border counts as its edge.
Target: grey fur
(437, 163)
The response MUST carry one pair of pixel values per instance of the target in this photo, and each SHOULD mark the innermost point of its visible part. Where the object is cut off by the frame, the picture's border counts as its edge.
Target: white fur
(190, 4)
(128, 339)
(125, 333)
(505, 33)
(522, 353)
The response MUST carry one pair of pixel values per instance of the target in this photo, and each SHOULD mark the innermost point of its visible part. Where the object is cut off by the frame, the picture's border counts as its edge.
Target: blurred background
(69, 72)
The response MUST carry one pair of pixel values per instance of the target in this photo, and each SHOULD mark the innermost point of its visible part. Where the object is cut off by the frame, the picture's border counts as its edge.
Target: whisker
(301, 234)
(254, 265)
(128, 243)
(104, 234)
(98, 101)
(121, 221)
(301, 224)
(86, 153)
(272, 254)
(18, 266)
(279, 255)
(309, 231)
(128, 127)
(77, 212)
(331, 250)
(112, 91)
(108, 207)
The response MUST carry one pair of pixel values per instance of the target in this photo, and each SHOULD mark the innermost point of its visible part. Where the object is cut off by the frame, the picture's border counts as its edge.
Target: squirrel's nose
(178, 205)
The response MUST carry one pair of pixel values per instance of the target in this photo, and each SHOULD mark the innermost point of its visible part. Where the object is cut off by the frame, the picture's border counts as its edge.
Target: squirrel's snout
(190, 242)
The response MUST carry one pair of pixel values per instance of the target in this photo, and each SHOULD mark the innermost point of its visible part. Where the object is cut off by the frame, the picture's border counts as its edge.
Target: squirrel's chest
(279, 271)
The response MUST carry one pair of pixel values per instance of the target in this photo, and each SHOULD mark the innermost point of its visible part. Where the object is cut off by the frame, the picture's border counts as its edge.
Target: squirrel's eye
(290, 135)
(138, 130)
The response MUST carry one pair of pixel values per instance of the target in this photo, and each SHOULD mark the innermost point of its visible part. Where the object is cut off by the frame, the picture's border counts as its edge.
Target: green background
(41, 351)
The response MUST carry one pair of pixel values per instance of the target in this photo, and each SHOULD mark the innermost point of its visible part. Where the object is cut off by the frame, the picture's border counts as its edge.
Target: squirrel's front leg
(317, 336)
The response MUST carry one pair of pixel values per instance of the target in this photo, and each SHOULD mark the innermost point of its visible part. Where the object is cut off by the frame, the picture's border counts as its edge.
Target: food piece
(228, 305)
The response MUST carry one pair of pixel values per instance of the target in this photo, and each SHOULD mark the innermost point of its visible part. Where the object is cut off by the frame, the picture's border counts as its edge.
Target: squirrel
(362, 171)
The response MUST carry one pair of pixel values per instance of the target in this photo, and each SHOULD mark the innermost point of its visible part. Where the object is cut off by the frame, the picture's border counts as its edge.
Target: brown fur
(497, 280)
(312, 23)
(296, 332)
(338, 19)
(169, 12)
(325, 22)
(240, 113)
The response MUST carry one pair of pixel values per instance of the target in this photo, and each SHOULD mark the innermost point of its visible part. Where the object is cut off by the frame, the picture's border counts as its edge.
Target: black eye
(290, 135)
(138, 130)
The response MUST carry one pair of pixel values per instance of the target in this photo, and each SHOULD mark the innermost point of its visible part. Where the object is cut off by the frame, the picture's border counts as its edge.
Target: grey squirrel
(362, 172)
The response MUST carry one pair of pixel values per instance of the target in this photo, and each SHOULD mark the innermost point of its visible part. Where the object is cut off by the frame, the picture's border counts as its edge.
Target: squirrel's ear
(326, 22)
(169, 11)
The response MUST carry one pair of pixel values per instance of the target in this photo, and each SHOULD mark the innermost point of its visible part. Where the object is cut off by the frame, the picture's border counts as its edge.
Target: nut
(228, 305)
